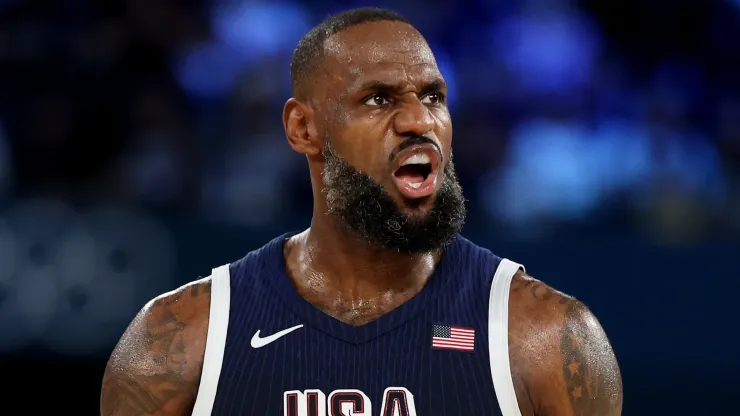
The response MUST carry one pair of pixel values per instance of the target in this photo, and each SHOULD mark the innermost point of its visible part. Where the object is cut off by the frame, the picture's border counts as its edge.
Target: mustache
(413, 140)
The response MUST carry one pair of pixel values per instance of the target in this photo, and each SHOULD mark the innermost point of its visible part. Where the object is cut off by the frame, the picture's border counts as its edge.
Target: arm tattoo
(149, 395)
(590, 370)
(197, 290)
(579, 362)
(148, 371)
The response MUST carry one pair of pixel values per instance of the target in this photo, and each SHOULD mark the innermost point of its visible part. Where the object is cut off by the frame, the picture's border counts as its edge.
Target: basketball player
(380, 307)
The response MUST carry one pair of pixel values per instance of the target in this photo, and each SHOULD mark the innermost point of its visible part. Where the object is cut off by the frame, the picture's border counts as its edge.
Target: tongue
(409, 175)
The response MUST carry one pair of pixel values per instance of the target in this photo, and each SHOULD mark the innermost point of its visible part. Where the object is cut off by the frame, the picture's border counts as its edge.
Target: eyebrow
(436, 84)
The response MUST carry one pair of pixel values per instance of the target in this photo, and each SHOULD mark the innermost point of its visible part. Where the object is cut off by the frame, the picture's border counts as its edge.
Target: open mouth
(416, 175)
(415, 170)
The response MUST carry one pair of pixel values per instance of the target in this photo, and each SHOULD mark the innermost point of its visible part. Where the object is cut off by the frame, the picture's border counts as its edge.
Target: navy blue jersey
(270, 352)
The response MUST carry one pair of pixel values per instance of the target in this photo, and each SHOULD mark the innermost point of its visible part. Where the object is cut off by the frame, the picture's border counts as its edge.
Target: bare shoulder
(562, 361)
(155, 368)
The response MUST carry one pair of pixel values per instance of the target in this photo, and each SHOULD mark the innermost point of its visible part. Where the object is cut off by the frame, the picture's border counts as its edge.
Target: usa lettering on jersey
(397, 401)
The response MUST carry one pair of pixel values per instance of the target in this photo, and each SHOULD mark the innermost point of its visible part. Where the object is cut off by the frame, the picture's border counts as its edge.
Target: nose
(414, 118)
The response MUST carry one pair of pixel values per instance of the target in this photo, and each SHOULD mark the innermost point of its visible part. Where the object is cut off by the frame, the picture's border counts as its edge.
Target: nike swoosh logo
(258, 342)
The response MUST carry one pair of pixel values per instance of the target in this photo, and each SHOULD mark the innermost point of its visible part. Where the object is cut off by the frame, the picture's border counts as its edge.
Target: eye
(432, 98)
(377, 100)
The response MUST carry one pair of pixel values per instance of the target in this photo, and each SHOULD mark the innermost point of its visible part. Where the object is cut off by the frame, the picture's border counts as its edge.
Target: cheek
(444, 130)
(362, 147)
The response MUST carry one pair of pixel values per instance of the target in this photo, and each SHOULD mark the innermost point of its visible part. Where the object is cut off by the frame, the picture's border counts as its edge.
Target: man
(380, 307)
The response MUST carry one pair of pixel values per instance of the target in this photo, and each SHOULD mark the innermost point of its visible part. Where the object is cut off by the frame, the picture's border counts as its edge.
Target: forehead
(384, 51)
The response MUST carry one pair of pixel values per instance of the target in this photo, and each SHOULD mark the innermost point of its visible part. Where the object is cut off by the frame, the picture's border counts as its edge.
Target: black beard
(369, 212)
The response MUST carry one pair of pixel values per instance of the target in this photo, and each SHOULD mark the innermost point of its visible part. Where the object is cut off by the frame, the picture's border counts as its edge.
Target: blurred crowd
(603, 117)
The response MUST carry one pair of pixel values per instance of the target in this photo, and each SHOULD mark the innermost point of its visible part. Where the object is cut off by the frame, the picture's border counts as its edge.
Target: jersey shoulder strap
(218, 323)
(498, 337)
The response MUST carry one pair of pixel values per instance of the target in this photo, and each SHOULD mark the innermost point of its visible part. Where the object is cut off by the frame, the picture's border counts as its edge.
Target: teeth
(417, 159)
(415, 185)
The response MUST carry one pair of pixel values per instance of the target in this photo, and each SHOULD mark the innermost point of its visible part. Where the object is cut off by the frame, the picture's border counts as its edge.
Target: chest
(419, 368)
(429, 356)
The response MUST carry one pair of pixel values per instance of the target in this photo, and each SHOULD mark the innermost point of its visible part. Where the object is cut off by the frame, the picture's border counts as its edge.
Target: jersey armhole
(498, 337)
(218, 323)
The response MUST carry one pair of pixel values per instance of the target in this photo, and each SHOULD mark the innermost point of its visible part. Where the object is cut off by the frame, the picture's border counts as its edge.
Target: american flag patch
(447, 337)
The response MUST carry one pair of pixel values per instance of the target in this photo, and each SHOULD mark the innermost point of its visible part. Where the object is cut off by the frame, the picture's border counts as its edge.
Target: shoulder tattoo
(152, 370)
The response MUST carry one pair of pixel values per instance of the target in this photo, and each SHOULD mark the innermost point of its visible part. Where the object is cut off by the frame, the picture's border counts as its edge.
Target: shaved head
(309, 53)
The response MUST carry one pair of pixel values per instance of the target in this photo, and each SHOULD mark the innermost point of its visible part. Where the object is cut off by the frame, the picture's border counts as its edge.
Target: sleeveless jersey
(444, 352)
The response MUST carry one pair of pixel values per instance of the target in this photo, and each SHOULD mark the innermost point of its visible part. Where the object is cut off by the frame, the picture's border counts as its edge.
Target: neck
(356, 269)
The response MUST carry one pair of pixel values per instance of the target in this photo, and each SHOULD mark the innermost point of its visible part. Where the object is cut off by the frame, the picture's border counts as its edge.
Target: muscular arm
(563, 362)
(155, 368)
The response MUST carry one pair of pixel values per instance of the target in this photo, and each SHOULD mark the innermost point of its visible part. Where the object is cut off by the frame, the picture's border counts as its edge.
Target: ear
(298, 121)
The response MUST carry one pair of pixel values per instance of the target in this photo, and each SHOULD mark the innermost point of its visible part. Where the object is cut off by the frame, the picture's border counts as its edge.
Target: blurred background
(597, 141)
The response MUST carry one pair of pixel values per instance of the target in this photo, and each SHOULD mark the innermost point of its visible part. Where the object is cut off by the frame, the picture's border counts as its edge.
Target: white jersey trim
(498, 337)
(218, 323)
